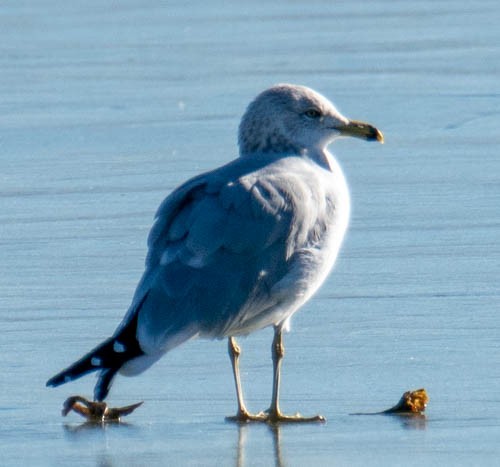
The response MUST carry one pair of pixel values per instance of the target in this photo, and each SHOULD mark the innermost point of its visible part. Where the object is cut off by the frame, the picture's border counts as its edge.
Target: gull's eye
(312, 113)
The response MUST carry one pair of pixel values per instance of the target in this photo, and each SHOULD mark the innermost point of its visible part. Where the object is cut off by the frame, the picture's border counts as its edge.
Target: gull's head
(287, 118)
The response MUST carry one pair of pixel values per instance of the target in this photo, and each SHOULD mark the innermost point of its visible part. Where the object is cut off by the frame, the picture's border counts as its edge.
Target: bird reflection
(408, 422)
(275, 430)
(278, 455)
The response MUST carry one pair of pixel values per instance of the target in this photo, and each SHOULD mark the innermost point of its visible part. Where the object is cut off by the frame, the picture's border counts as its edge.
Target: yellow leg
(274, 414)
(243, 415)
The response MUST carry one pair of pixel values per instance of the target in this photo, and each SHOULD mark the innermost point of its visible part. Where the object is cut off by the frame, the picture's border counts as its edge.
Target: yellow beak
(361, 130)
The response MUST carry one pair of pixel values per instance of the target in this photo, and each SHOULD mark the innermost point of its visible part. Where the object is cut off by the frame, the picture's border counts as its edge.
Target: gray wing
(216, 250)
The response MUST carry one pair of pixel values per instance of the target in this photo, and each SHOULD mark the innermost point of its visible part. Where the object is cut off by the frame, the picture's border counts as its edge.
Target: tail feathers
(104, 383)
(107, 357)
(95, 360)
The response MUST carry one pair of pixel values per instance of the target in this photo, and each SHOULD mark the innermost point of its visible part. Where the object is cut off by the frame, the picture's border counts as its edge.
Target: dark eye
(312, 113)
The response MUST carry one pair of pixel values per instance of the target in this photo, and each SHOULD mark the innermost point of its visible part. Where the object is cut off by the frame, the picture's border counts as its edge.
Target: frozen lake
(106, 106)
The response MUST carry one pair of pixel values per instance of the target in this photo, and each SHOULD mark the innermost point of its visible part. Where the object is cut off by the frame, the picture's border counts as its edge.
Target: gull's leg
(277, 352)
(234, 354)
(243, 415)
(274, 414)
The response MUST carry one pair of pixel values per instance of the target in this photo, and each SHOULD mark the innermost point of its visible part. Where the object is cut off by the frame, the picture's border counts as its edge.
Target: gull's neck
(323, 158)
(319, 155)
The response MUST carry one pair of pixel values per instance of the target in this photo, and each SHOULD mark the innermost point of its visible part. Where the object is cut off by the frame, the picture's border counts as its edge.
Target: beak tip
(362, 130)
(379, 136)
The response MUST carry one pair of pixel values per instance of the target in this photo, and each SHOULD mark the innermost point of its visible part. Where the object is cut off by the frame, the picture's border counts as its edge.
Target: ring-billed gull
(241, 247)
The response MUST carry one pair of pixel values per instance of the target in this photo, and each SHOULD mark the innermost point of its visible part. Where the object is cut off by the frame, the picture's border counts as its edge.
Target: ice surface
(106, 106)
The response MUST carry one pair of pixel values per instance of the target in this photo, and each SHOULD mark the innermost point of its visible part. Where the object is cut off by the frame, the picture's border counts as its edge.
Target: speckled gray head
(288, 118)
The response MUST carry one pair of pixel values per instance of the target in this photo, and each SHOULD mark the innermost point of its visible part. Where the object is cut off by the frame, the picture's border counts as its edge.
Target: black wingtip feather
(86, 364)
(104, 382)
(108, 357)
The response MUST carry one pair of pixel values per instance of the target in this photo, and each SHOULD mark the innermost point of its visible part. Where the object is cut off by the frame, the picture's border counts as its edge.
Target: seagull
(241, 247)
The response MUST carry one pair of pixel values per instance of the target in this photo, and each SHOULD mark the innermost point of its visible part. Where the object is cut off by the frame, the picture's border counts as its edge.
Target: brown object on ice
(411, 402)
(96, 411)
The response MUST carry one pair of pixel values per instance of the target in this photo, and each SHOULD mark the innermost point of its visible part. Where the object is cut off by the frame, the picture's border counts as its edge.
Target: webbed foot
(274, 417)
